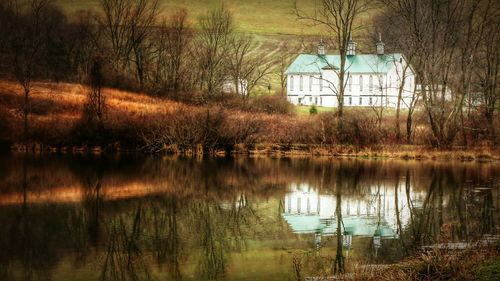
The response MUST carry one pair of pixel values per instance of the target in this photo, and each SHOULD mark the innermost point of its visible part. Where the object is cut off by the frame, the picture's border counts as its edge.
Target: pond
(130, 217)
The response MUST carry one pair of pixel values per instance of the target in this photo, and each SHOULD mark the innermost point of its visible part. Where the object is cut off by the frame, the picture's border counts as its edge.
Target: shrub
(6, 123)
(358, 128)
(313, 110)
(271, 104)
(212, 128)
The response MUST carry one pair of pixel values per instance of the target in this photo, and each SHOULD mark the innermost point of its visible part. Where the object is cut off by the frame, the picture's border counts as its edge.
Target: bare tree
(211, 48)
(285, 55)
(95, 105)
(246, 66)
(432, 29)
(172, 48)
(488, 70)
(476, 15)
(141, 27)
(338, 18)
(128, 25)
(25, 44)
(396, 29)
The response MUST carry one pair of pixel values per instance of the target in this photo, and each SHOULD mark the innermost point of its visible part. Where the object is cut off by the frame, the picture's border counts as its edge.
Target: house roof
(313, 64)
(356, 226)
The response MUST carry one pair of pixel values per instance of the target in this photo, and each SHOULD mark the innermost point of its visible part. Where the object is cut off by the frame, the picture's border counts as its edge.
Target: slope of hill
(252, 16)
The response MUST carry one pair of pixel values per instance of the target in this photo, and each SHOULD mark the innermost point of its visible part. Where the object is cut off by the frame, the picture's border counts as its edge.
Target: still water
(147, 218)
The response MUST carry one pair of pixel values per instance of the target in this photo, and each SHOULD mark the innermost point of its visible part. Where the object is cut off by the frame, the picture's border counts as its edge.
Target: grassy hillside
(251, 16)
(255, 16)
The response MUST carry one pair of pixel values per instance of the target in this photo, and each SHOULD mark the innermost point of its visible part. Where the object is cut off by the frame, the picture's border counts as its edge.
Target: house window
(300, 101)
(316, 100)
(360, 100)
(361, 83)
(301, 83)
(291, 83)
(371, 100)
(320, 100)
(310, 83)
(310, 99)
(349, 79)
(321, 82)
(370, 85)
(350, 100)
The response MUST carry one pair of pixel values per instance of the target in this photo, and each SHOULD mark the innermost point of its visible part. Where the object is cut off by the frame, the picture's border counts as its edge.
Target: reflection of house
(229, 86)
(374, 214)
(371, 79)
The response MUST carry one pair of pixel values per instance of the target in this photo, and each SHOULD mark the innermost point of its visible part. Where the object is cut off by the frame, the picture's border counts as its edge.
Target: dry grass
(437, 265)
(56, 119)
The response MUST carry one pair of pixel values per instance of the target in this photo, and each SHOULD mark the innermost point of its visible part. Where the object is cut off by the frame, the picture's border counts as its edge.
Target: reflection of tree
(487, 213)
(125, 258)
(212, 240)
(29, 234)
(398, 214)
(92, 202)
(339, 266)
(166, 239)
(427, 225)
(241, 215)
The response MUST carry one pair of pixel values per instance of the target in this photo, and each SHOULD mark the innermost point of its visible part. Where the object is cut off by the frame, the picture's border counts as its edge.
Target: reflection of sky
(371, 214)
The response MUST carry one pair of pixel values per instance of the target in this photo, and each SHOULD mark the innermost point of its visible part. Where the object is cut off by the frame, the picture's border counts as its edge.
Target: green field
(304, 110)
(252, 16)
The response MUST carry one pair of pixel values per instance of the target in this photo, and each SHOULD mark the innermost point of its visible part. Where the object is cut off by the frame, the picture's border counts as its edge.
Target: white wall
(312, 89)
(382, 92)
(304, 200)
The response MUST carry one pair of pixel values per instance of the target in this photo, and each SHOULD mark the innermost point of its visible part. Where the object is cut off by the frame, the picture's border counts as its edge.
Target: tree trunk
(409, 122)
(26, 115)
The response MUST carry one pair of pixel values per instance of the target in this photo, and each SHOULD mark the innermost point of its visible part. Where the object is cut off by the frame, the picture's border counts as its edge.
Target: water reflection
(136, 218)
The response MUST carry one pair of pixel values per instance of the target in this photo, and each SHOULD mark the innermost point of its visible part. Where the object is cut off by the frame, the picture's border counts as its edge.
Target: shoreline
(396, 152)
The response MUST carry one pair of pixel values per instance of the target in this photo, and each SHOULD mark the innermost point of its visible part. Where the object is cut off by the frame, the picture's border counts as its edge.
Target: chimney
(321, 48)
(351, 48)
(380, 45)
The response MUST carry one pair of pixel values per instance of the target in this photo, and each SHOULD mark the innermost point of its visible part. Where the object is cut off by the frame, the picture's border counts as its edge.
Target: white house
(308, 211)
(229, 87)
(372, 79)
(375, 214)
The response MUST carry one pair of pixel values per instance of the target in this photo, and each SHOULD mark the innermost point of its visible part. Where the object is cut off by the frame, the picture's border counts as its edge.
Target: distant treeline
(136, 48)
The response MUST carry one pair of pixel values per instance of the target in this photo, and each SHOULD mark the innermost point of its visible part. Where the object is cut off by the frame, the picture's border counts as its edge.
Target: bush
(271, 104)
(357, 129)
(6, 123)
(313, 110)
(212, 128)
